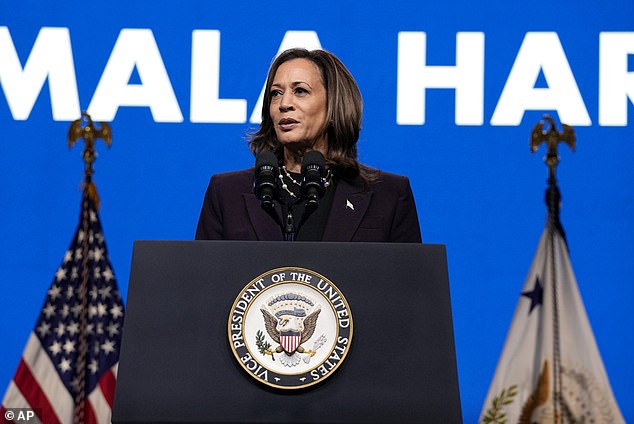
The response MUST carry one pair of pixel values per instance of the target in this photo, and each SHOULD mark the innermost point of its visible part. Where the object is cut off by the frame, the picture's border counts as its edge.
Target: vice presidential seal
(290, 328)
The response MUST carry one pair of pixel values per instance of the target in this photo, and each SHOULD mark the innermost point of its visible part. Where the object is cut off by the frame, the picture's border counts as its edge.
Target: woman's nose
(286, 102)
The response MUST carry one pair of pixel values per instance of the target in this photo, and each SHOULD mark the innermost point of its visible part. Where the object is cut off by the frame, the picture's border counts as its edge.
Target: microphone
(314, 181)
(265, 181)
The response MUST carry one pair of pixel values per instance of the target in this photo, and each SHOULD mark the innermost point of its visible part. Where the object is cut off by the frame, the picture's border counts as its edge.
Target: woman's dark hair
(344, 109)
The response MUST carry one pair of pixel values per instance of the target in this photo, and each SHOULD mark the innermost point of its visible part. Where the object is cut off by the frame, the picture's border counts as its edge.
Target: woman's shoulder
(234, 175)
(377, 178)
(390, 176)
(232, 180)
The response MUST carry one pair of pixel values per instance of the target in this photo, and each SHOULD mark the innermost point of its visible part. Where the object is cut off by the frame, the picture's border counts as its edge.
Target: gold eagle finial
(552, 138)
(84, 128)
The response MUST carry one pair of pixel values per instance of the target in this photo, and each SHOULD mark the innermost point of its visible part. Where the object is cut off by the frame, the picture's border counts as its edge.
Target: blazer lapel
(348, 208)
(263, 224)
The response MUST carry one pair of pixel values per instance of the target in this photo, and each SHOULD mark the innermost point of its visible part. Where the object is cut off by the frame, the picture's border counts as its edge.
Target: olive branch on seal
(263, 346)
(495, 414)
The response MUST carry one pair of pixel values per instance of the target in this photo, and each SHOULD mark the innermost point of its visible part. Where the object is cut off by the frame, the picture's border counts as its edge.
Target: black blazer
(379, 211)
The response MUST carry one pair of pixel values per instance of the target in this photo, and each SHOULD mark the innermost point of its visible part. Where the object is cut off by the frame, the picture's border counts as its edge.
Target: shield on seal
(290, 341)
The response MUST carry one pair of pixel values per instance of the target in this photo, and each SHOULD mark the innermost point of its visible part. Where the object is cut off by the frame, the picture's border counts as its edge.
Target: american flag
(68, 369)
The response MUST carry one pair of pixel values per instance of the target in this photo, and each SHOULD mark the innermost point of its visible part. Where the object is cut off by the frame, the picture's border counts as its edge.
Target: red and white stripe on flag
(290, 343)
(36, 385)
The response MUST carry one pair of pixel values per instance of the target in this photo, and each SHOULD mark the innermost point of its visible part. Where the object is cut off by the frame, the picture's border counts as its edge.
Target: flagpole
(550, 369)
(553, 199)
(84, 128)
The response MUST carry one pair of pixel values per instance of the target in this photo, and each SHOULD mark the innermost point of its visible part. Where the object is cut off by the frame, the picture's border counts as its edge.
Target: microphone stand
(289, 229)
(290, 232)
(311, 190)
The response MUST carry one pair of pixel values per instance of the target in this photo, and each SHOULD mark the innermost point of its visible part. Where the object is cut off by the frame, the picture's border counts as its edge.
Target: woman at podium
(307, 183)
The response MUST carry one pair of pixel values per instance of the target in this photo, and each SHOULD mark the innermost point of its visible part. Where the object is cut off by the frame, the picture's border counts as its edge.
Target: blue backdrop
(477, 187)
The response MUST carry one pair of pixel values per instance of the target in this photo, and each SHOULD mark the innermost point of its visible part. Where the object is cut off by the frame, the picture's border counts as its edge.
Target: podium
(177, 366)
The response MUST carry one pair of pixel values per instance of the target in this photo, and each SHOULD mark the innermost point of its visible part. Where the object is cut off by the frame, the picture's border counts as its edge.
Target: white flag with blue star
(550, 370)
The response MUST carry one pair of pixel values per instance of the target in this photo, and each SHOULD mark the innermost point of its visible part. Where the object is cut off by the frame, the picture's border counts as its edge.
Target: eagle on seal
(290, 319)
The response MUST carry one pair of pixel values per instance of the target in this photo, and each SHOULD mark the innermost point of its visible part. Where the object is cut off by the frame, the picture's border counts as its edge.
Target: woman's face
(298, 105)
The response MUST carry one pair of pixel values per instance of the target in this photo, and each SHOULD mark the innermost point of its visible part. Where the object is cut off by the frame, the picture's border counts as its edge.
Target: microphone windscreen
(315, 160)
(265, 179)
(265, 158)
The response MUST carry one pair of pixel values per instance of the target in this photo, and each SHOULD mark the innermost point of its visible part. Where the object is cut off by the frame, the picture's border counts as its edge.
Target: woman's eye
(275, 93)
(300, 91)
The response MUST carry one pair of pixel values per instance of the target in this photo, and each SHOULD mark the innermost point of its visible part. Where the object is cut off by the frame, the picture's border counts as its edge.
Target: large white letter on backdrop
(414, 77)
(541, 51)
(135, 48)
(616, 84)
(51, 57)
(206, 104)
(306, 39)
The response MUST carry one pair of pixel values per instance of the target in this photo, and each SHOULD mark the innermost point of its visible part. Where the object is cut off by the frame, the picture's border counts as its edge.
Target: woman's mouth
(286, 124)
